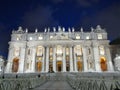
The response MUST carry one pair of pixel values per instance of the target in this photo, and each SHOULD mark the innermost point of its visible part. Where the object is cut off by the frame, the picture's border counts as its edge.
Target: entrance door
(67, 67)
(59, 66)
(51, 68)
(103, 64)
(79, 64)
(39, 66)
(15, 65)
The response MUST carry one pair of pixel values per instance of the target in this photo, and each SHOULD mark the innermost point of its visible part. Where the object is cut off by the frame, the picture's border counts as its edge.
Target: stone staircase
(78, 81)
(94, 81)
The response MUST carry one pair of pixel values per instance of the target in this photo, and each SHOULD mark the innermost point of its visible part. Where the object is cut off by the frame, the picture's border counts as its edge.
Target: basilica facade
(59, 50)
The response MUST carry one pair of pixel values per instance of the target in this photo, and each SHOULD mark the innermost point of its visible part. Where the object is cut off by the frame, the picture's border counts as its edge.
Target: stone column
(64, 60)
(75, 62)
(84, 58)
(109, 61)
(21, 60)
(97, 58)
(54, 59)
(43, 60)
(26, 59)
(47, 59)
(71, 60)
(33, 59)
(8, 68)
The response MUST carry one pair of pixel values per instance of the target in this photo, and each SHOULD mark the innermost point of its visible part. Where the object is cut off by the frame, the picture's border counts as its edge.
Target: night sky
(39, 14)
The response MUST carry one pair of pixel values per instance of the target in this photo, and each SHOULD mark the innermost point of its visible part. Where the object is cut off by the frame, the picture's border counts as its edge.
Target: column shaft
(97, 59)
(84, 59)
(43, 60)
(47, 59)
(64, 60)
(33, 59)
(54, 59)
(71, 60)
(10, 60)
(75, 62)
(109, 61)
(22, 59)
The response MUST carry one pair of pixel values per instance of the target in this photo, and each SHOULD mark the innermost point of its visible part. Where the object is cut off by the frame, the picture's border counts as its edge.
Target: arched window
(67, 51)
(59, 50)
(51, 51)
(39, 51)
(78, 50)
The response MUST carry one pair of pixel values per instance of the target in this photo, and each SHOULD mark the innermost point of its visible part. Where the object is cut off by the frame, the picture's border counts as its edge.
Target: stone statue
(81, 29)
(90, 64)
(36, 30)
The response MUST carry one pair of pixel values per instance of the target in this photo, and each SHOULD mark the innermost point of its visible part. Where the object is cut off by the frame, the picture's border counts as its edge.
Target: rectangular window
(99, 36)
(67, 51)
(78, 50)
(51, 51)
(77, 37)
(87, 37)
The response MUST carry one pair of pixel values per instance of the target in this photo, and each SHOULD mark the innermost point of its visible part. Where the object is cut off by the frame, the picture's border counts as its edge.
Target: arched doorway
(67, 67)
(103, 64)
(59, 66)
(51, 67)
(15, 65)
(39, 66)
(79, 65)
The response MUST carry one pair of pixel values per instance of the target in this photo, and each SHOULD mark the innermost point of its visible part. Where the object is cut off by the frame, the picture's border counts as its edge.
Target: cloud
(80, 3)
(57, 1)
(109, 18)
(87, 3)
(39, 17)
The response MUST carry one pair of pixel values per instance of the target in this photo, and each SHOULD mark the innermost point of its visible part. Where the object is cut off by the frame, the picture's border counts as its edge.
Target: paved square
(54, 85)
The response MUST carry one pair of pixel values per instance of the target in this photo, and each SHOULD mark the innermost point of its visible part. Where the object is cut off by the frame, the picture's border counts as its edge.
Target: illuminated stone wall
(60, 50)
